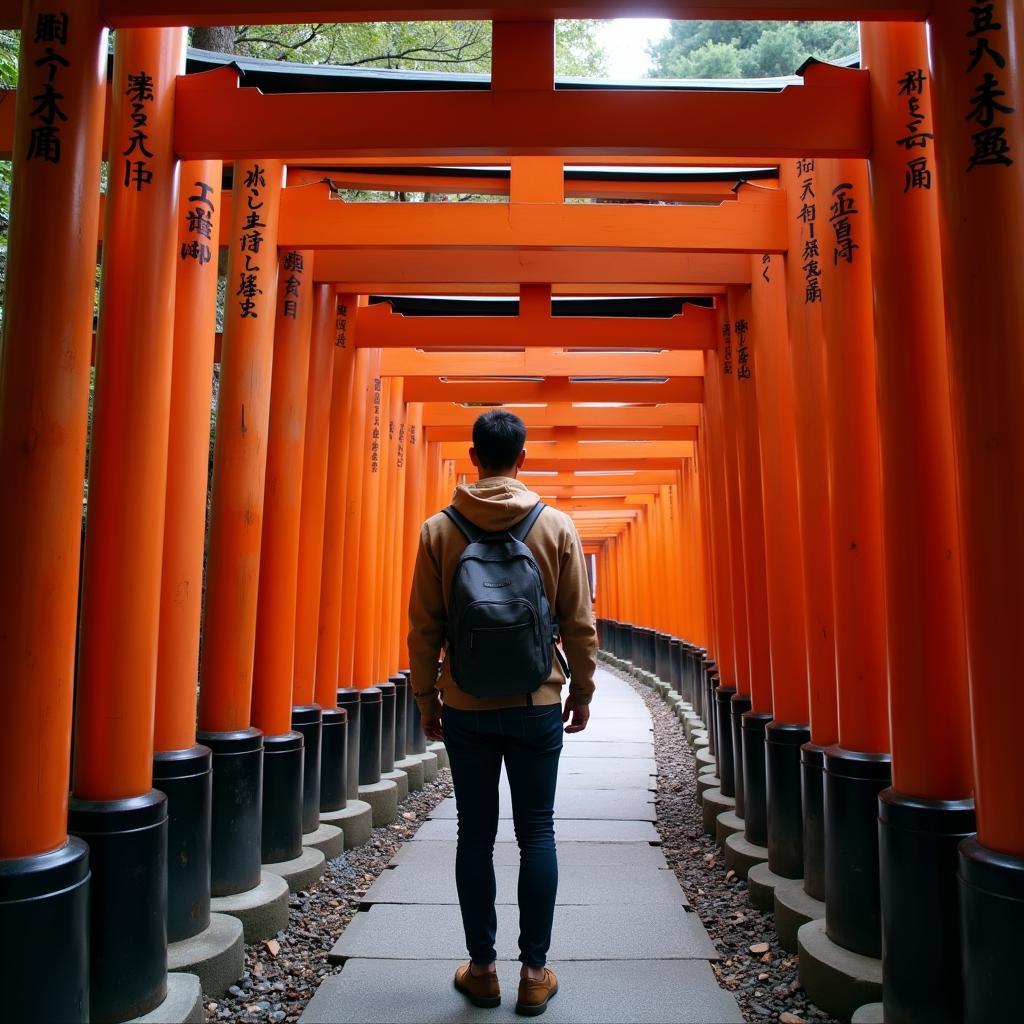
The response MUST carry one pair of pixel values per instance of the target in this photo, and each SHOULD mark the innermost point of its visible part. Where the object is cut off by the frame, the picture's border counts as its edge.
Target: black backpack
(500, 630)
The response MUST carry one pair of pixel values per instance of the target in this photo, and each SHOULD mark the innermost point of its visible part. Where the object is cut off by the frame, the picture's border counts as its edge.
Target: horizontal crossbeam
(464, 434)
(559, 414)
(540, 362)
(554, 389)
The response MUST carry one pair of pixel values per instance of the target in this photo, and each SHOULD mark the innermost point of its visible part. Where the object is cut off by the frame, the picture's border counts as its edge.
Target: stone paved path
(626, 948)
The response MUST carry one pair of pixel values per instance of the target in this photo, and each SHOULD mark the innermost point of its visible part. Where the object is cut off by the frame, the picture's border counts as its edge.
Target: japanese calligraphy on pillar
(919, 172)
(843, 217)
(47, 116)
(808, 217)
(341, 325)
(987, 63)
(251, 242)
(412, 435)
(766, 267)
(726, 348)
(744, 369)
(375, 433)
(400, 453)
(294, 266)
(198, 245)
(138, 172)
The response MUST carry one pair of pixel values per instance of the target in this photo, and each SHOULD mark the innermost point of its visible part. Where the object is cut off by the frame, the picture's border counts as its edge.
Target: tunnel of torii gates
(776, 378)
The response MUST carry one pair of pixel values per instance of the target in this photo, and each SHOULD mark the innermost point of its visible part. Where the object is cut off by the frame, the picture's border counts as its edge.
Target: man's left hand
(433, 729)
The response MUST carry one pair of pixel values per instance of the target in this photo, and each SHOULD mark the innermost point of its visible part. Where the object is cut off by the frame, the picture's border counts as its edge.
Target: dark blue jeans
(530, 741)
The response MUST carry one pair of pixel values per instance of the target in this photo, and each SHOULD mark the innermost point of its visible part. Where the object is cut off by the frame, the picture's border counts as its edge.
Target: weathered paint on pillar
(116, 689)
(415, 479)
(240, 449)
(188, 454)
(44, 393)
(282, 504)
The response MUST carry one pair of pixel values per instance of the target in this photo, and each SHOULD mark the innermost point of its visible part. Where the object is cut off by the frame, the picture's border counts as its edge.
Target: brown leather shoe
(480, 990)
(534, 996)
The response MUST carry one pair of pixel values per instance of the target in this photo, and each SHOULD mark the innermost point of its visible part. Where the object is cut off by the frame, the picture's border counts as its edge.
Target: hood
(494, 504)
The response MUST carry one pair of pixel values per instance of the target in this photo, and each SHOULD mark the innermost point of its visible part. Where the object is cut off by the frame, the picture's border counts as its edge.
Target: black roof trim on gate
(627, 306)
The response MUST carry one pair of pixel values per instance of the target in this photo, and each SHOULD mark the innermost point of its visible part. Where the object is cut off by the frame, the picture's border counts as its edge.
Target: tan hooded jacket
(495, 504)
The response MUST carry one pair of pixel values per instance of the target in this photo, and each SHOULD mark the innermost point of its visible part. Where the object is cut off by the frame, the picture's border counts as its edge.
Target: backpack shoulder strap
(469, 530)
(522, 529)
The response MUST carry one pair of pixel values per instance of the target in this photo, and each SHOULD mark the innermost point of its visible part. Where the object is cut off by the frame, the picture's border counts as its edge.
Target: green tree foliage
(9, 42)
(412, 45)
(748, 49)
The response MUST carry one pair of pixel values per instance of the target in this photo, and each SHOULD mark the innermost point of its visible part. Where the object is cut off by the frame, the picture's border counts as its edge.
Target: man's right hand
(433, 729)
(577, 715)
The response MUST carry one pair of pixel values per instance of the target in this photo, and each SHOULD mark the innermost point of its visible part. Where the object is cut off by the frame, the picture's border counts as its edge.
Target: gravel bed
(765, 982)
(282, 974)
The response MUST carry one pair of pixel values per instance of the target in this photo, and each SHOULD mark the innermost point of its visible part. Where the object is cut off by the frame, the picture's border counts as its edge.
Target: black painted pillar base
(712, 680)
(281, 838)
(723, 732)
(128, 902)
(812, 795)
(237, 816)
(782, 742)
(738, 707)
(992, 923)
(348, 701)
(401, 713)
(44, 921)
(333, 759)
(387, 726)
(917, 847)
(370, 707)
(755, 787)
(307, 720)
(853, 781)
(675, 648)
(415, 741)
(186, 778)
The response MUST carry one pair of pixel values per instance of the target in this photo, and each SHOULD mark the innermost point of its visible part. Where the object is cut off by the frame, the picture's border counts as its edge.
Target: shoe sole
(536, 1010)
(484, 1002)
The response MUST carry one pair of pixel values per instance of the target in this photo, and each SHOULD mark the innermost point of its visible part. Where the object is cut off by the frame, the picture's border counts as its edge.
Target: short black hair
(498, 437)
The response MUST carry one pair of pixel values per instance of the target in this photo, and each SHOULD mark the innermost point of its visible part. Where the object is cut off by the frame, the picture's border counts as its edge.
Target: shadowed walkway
(626, 947)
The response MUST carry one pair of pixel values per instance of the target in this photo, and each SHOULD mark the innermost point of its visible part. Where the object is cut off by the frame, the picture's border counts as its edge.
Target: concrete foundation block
(429, 760)
(699, 738)
(704, 783)
(691, 724)
(761, 885)
(794, 907)
(383, 800)
(440, 751)
(705, 756)
(263, 911)
(726, 824)
(741, 854)
(714, 803)
(870, 1013)
(355, 821)
(401, 781)
(413, 769)
(705, 769)
(328, 839)
(183, 1005)
(215, 956)
(301, 872)
(838, 981)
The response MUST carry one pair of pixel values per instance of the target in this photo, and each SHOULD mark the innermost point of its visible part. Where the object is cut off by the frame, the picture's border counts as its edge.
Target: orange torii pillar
(789, 730)
(750, 721)
(807, 215)
(113, 805)
(181, 767)
(284, 820)
(730, 765)
(44, 394)
(236, 528)
(977, 52)
(929, 808)
(338, 321)
(858, 767)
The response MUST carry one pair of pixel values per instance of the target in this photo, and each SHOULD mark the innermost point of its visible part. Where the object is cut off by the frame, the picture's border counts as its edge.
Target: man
(525, 728)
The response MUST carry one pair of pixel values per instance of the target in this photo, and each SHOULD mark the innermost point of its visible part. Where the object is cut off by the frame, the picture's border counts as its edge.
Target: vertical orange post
(396, 524)
(784, 567)
(415, 484)
(44, 392)
(315, 455)
(113, 801)
(236, 526)
(386, 472)
(977, 52)
(807, 216)
(284, 783)
(858, 768)
(181, 768)
(929, 808)
(753, 718)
